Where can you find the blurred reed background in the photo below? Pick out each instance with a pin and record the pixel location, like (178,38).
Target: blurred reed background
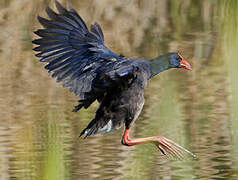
(197,109)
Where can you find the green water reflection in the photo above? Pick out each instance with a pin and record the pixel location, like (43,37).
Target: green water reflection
(197,109)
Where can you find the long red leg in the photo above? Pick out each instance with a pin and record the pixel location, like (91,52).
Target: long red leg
(166,146)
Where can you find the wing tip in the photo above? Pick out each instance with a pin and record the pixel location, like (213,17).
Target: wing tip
(61,9)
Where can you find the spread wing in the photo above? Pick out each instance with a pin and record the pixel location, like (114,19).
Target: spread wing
(78,57)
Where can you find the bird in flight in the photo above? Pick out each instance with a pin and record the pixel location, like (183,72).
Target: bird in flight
(77,56)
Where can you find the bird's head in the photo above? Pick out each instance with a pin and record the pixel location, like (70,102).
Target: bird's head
(167,61)
(177,61)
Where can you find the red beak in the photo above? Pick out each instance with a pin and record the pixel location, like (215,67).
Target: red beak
(184,64)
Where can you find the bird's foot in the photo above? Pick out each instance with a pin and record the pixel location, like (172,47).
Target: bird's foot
(171,149)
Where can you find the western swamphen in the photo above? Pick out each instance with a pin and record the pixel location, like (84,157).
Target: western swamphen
(78,57)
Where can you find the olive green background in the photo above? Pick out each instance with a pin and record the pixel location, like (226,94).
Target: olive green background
(197,109)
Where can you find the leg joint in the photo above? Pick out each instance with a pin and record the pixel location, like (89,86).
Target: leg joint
(124,142)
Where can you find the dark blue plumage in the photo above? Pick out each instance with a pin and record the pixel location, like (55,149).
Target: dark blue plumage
(78,57)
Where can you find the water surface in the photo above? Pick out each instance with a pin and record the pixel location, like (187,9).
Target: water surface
(197,109)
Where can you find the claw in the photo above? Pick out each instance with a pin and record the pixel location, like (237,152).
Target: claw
(170,148)
(173,149)
(161,149)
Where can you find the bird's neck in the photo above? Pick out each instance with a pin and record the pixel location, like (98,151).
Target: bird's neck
(159,64)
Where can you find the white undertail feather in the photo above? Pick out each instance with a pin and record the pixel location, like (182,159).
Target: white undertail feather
(107,128)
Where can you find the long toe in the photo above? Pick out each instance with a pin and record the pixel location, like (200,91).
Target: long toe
(172,149)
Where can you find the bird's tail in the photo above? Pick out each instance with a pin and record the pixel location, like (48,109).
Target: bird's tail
(97,126)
